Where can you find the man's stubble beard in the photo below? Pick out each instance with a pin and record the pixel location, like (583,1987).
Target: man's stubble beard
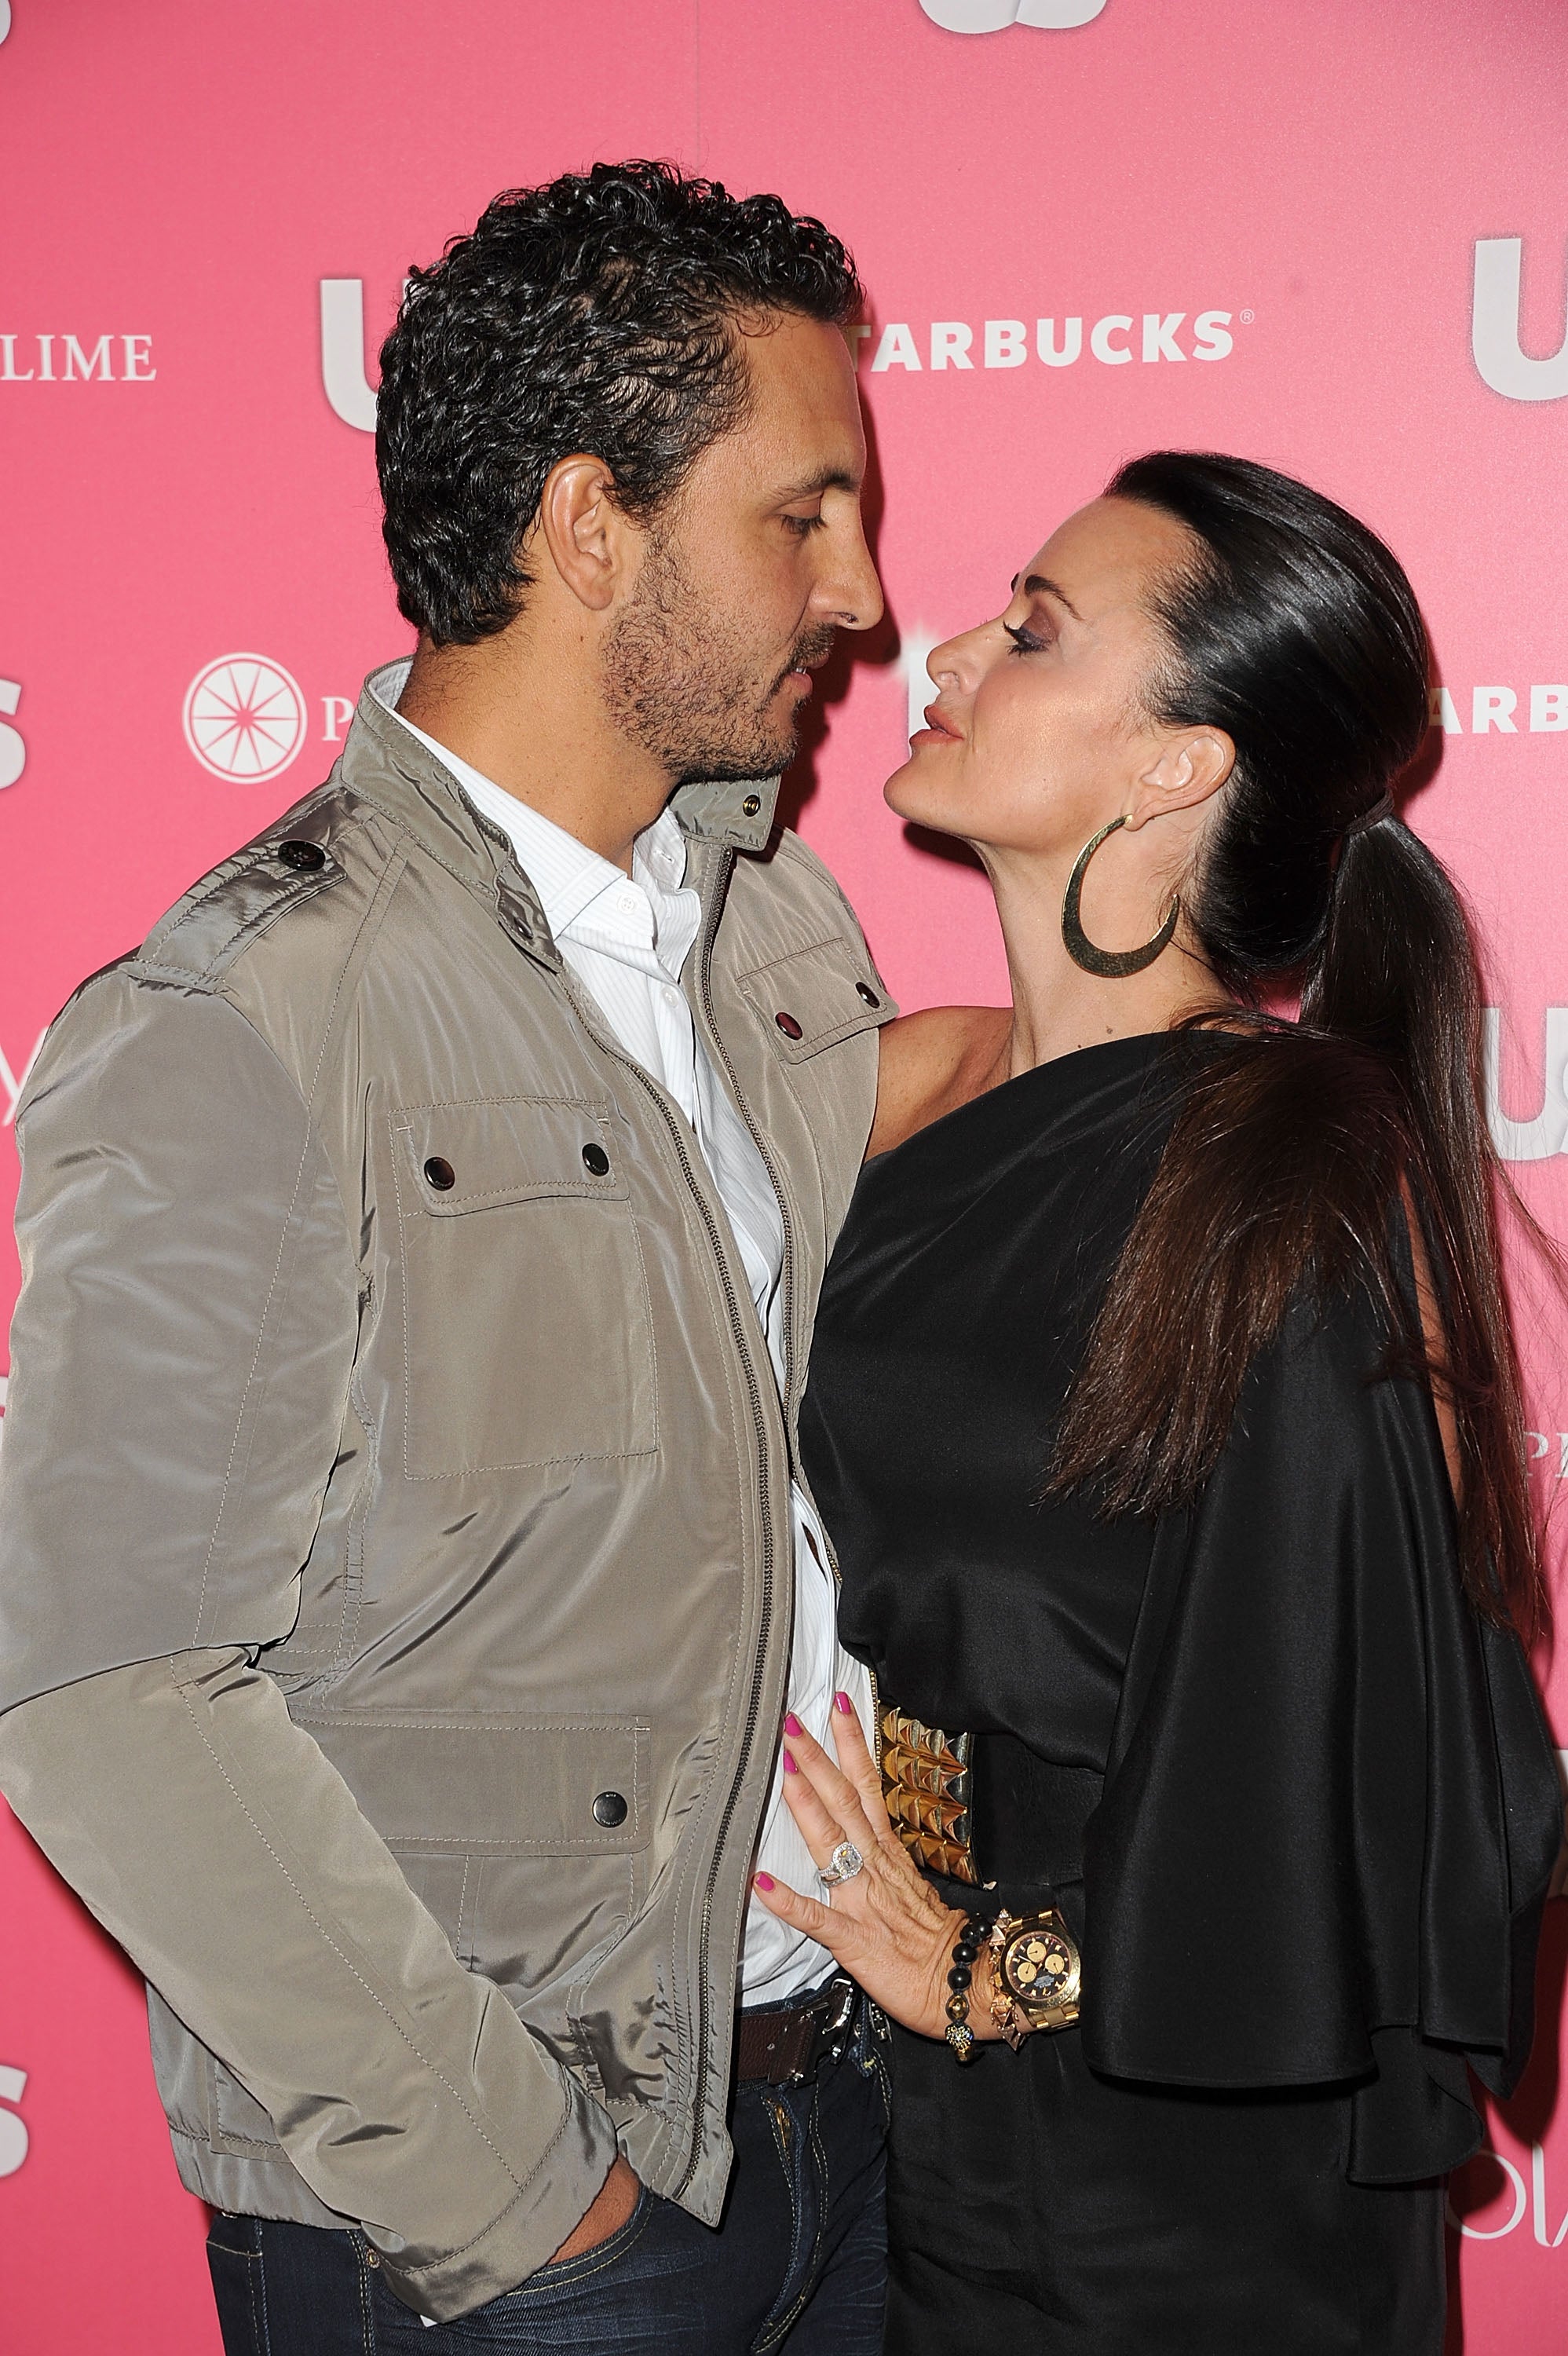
(679,684)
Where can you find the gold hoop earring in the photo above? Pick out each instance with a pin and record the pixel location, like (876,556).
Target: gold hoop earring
(1111,965)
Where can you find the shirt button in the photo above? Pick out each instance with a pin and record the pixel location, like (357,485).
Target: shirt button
(596,1162)
(610,1810)
(863,990)
(305,857)
(439,1173)
(789,1026)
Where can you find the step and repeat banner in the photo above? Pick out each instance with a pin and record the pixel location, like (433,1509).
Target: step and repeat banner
(1327,236)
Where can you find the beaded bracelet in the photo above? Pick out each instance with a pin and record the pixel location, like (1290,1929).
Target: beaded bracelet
(966,1952)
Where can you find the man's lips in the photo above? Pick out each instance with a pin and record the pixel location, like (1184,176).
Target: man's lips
(798,676)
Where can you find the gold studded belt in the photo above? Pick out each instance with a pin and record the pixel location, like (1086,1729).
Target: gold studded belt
(927,1784)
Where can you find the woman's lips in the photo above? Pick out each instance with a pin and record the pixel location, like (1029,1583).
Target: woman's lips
(937,730)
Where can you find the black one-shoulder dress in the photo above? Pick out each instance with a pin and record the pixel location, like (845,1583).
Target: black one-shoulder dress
(1296,1800)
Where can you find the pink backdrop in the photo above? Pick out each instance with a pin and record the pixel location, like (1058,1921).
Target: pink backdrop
(1283,230)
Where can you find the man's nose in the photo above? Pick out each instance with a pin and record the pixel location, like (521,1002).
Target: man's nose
(854,593)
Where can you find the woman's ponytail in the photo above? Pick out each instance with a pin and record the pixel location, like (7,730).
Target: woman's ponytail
(1294,630)
(1396,973)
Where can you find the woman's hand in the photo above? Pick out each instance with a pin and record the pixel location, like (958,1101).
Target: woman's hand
(886,1924)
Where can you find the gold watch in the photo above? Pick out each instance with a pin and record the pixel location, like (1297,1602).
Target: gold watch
(1036,1975)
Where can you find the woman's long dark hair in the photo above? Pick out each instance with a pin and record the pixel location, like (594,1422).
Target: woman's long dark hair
(1295,630)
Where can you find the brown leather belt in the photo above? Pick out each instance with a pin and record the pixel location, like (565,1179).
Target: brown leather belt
(786,2046)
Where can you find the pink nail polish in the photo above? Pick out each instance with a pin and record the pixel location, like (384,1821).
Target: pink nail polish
(842,1701)
(764,1881)
(793,1725)
(790,1767)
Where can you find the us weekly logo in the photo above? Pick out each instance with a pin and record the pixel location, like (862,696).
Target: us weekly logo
(998,15)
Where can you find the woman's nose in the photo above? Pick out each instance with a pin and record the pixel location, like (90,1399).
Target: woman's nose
(953,663)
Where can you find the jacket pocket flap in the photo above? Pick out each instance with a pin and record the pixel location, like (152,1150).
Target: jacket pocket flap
(504,1787)
(815,997)
(475,1153)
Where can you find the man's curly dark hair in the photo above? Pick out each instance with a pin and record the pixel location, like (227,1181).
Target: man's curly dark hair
(595,314)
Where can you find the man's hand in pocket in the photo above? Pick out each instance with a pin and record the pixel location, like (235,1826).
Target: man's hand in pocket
(613,2204)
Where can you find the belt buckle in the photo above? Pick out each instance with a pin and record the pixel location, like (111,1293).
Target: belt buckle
(833,2035)
(824,2021)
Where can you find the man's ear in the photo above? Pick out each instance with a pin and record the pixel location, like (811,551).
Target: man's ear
(1188,769)
(587,537)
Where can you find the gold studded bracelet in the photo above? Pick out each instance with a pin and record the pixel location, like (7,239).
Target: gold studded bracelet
(1005,2017)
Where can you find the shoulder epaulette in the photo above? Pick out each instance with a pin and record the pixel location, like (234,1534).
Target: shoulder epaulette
(217,919)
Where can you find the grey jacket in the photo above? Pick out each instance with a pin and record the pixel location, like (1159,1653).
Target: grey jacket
(395,1576)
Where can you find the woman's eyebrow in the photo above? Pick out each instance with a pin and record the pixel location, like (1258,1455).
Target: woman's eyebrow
(1039,582)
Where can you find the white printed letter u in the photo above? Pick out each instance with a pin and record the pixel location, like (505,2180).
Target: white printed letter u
(1494,328)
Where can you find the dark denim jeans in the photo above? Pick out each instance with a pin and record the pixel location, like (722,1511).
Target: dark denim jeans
(798,2261)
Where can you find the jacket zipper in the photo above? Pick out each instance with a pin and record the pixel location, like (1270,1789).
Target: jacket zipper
(710,932)
(753,1711)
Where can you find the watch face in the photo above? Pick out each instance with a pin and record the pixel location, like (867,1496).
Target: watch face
(1041,1967)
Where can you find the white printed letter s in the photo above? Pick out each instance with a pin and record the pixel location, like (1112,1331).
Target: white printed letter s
(12,746)
(13,2130)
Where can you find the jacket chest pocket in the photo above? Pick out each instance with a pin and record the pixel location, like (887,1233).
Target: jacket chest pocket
(814,998)
(527,1327)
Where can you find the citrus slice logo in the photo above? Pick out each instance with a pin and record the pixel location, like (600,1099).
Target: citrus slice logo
(244,718)
(995,15)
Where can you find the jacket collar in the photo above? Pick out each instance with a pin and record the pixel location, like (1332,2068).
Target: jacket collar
(385,764)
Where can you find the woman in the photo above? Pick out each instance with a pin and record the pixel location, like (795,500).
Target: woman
(1165,1415)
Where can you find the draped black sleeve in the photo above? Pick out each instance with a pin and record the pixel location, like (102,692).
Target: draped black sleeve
(1331,1805)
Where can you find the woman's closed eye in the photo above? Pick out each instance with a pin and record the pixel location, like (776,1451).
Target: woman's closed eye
(1025,640)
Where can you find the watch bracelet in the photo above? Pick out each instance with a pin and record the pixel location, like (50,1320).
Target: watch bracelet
(1013,2013)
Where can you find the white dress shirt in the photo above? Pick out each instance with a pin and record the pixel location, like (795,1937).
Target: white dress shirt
(626,939)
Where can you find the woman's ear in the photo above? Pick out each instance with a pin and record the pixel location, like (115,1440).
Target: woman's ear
(1187,770)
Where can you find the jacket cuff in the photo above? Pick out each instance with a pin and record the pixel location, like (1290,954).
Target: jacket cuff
(529,2232)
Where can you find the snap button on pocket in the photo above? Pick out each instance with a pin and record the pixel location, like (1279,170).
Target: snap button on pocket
(595,1160)
(609,1810)
(439,1173)
(789,1026)
(308,857)
(863,990)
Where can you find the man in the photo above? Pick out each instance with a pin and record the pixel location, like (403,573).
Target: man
(404,1572)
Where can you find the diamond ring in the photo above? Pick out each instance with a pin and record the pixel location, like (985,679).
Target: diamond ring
(843,1865)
